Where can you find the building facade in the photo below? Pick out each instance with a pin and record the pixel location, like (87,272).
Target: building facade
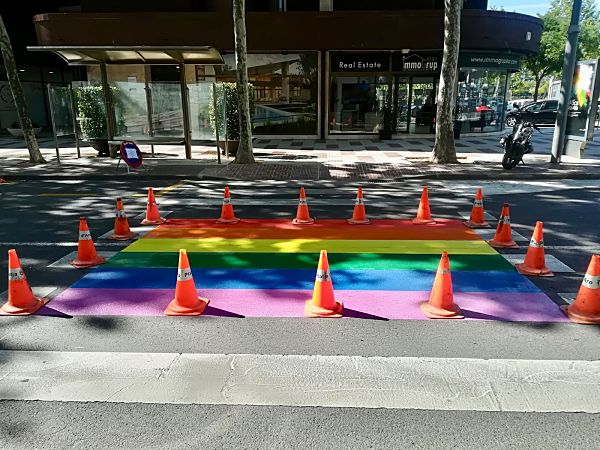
(320,68)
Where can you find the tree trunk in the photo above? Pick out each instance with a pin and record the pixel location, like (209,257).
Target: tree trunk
(244,153)
(536,88)
(35,156)
(444,151)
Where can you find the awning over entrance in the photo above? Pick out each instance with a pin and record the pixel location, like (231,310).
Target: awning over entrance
(87,55)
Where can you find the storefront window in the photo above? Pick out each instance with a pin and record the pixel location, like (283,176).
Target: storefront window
(481,99)
(357,103)
(286,88)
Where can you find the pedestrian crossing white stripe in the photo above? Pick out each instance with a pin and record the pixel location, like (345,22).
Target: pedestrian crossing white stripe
(302,380)
(64,262)
(552,262)
(140,231)
(488,233)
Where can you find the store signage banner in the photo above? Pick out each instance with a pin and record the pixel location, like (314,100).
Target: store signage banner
(417,62)
(360,62)
(583,104)
(490,60)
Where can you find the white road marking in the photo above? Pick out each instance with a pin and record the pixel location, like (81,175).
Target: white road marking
(38,291)
(141,216)
(302,380)
(64,262)
(141,231)
(553,263)
(59,244)
(488,233)
(568,297)
(490,218)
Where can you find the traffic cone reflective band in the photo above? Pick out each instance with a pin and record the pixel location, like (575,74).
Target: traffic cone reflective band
(86,251)
(424,213)
(535,260)
(122,231)
(477,219)
(441,300)
(227,214)
(586,308)
(152,214)
(323,303)
(503,237)
(359,216)
(21,301)
(302,215)
(186,301)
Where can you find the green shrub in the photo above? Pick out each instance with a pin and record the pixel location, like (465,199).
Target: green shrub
(92,114)
(227,92)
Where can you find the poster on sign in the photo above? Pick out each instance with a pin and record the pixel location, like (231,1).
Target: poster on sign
(131,154)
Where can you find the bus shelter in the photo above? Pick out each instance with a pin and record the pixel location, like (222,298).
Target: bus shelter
(134,106)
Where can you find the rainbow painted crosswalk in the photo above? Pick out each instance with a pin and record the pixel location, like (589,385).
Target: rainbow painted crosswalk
(266,268)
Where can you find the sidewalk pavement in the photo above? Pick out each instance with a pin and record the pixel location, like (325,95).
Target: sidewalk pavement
(368,160)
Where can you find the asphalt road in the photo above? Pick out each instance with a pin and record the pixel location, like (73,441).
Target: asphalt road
(147,426)
(43,218)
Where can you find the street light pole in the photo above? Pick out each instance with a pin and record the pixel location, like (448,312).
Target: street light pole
(564,98)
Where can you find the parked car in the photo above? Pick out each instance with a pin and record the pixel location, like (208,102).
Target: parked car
(519,102)
(539,113)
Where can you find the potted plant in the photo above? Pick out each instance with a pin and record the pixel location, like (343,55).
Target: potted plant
(15,129)
(227,113)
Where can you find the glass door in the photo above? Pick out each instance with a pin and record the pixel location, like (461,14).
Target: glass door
(422,105)
(401,99)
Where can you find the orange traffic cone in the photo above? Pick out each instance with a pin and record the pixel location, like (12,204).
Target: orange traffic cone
(477,219)
(323,303)
(21,301)
(535,260)
(186,301)
(359,216)
(122,231)
(152,214)
(302,215)
(424,213)
(441,300)
(503,237)
(227,214)
(586,308)
(86,251)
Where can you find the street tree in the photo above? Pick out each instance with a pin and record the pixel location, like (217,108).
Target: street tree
(548,60)
(244,153)
(35,156)
(444,151)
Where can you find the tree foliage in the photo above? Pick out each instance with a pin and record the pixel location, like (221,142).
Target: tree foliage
(552,46)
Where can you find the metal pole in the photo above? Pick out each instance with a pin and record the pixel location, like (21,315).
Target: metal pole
(149,105)
(53,122)
(110,118)
(225,121)
(564,98)
(186,113)
(214,90)
(74,107)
